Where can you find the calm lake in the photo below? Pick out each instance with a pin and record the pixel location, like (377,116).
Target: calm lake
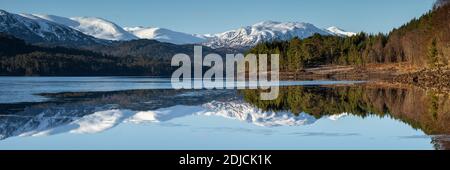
(146,113)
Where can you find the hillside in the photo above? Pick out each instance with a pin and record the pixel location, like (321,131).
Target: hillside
(147,49)
(423,43)
(18,59)
(33,29)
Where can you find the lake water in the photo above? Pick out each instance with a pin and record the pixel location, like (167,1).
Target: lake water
(145,113)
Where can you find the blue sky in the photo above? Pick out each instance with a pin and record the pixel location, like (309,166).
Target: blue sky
(213,16)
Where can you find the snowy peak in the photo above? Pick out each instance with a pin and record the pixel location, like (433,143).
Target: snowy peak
(60,20)
(34,29)
(102,28)
(280,26)
(263,31)
(61,29)
(165,35)
(340,32)
(133,29)
(93,26)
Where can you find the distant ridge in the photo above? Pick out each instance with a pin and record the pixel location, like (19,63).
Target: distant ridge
(90,30)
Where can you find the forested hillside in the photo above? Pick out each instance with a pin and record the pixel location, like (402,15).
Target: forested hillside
(147,49)
(423,42)
(19,58)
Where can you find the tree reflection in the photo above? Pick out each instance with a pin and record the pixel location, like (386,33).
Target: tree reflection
(427,110)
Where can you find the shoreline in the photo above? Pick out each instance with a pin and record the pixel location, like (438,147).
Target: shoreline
(436,79)
(401,73)
(341,72)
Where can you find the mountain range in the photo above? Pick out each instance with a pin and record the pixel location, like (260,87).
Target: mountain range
(36,28)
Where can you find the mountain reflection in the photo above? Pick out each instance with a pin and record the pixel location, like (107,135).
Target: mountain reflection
(64,108)
(93,112)
(427,110)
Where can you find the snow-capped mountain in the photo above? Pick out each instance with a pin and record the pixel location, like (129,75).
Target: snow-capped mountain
(96,27)
(56,29)
(263,31)
(340,32)
(38,30)
(165,35)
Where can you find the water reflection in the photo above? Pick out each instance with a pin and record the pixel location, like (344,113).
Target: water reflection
(76,109)
(94,112)
(426,110)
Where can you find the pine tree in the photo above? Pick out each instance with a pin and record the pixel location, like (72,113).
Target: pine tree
(433,60)
(294,55)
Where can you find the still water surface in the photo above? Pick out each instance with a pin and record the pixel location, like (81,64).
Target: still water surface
(145,113)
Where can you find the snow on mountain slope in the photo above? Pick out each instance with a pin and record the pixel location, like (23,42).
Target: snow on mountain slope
(102,28)
(52,28)
(34,29)
(339,32)
(57,19)
(96,27)
(263,31)
(165,35)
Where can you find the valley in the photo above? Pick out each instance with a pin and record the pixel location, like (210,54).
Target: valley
(48,45)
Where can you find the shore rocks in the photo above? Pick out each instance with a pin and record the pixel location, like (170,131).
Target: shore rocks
(437,78)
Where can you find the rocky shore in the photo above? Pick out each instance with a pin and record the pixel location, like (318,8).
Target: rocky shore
(436,79)
(336,72)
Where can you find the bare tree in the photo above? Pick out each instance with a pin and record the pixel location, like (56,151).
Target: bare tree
(440,3)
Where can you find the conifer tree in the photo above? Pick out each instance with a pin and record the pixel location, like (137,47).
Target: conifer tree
(433,60)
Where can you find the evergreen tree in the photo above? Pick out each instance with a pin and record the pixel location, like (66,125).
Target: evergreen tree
(433,60)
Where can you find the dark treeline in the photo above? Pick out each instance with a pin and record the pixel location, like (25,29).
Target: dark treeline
(122,58)
(148,49)
(297,54)
(421,42)
(18,58)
